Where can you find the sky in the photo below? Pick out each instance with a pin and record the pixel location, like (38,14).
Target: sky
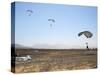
(33,28)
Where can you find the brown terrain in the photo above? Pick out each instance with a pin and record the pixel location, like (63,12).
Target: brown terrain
(56,60)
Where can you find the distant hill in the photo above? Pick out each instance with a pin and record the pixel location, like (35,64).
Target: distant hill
(49,46)
(18,46)
(44,46)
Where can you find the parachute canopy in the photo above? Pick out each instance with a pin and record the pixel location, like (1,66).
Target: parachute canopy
(51,20)
(29,12)
(87,34)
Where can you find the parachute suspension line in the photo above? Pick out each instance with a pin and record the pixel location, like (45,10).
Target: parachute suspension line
(87,46)
(86,43)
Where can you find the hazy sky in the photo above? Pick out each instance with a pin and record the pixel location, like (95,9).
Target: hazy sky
(35,30)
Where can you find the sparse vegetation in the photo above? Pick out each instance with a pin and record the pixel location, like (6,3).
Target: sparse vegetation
(56,60)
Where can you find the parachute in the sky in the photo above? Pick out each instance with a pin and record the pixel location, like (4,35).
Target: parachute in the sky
(87,34)
(51,21)
(29,12)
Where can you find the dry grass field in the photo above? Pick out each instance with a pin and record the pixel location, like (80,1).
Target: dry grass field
(56,60)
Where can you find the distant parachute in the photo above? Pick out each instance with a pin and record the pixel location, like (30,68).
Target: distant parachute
(51,21)
(29,12)
(87,34)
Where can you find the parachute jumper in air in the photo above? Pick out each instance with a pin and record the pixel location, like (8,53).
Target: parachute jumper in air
(87,34)
(51,21)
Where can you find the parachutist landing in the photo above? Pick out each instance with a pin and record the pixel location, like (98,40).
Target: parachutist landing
(87,46)
(87,34)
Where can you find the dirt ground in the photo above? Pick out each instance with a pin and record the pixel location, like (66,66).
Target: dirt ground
(44,60)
